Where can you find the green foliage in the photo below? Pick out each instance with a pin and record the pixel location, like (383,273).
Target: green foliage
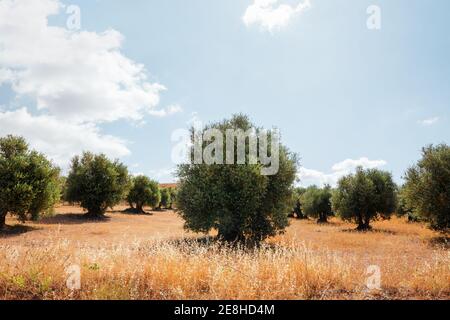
(144,192)
(427,188)
(173,197)
(47,186)
(296,204)
(236,200)
(96,183)
(63,188)
(316,203)
(365,196)
(29,183)
(165,198)
(403,209)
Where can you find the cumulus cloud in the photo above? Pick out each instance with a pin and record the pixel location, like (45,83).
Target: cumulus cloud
(429,122)
(271,16)
(76,79)
(78,76)
(310,177)
(57,139)
(170,110)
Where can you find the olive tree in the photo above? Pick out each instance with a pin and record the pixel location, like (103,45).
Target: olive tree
(364,196)
(427,188)
(237,200)
(403,209)
(47,187)
(96,183)
(165,198)
(317,203)
(29,183)
(143,192)
(173,197)
(296,204)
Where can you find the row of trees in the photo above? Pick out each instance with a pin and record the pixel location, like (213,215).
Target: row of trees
(30,185)
(361,198)
(369,195)
(312,202)
(97,183)
(146,192)
(245,206)
(236,200)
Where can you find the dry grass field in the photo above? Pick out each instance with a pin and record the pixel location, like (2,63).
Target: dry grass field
(152,257)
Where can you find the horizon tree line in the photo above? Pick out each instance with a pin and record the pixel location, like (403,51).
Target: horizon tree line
(236,200)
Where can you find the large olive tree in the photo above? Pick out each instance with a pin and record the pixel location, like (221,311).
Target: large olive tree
(364,196)
(96,183)
(427,189)
(237,200)
(29,183)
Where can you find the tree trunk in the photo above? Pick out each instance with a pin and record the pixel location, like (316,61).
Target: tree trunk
(364,224)
(140,208)
(95,213)
(231,237)
(322,218)
(367,224)
(360,223)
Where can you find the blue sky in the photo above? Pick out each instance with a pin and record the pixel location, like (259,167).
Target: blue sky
(341,94)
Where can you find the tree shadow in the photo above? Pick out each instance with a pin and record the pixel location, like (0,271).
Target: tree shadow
(442,242)
(204,241)
(329,223)
(134,212)
(373,231)
(189,245)
(71,219)
(16,230)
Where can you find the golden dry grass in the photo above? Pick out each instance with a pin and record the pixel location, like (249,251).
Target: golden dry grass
(152,257)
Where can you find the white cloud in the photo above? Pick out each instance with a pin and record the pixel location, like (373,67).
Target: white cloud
(57,139)
(5,76)
(76,76)
(164,175)
(350,164)
(310,177)
(429,122)
(271,17)
(78,79)
(170,110)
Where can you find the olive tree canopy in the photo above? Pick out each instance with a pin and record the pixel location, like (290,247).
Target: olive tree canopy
(364,196)
(427,189)
(236,199)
